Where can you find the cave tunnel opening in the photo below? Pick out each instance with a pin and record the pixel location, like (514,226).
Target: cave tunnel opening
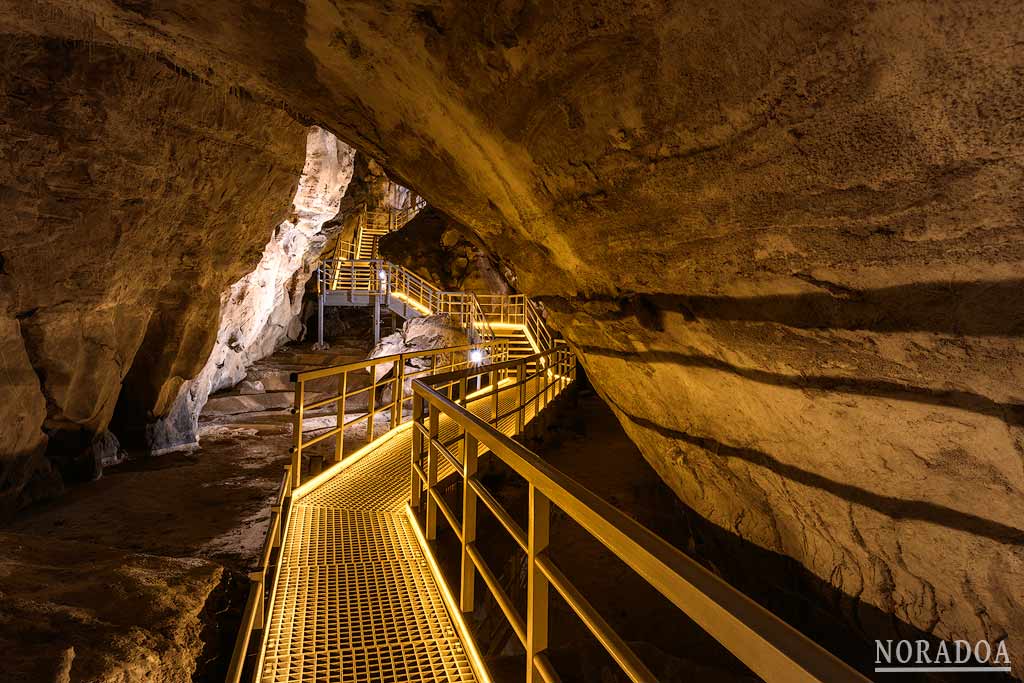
(578,342)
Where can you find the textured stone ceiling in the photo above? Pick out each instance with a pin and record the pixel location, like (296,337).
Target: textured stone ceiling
(785,236)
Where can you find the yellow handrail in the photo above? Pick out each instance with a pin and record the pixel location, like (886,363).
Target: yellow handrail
(768,646)
(254,617)
(257,608)
(386,372)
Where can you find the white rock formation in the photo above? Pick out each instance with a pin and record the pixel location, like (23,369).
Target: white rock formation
(260,312)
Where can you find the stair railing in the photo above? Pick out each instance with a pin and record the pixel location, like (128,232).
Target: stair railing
(478,313)
(480,321)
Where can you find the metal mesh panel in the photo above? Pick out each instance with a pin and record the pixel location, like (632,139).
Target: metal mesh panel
(355,599)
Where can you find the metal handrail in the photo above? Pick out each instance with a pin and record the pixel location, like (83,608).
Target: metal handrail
(257,608)
(768,646)
(385,372)
(364,275)
(478,311)
(484,310)
(256,612)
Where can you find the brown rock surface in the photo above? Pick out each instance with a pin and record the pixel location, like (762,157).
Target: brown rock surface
(445,253)
(260,312)
(133,196)
(786,238)
(25,473)
(80,612)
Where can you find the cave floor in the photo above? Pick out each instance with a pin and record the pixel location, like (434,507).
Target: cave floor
(211,502)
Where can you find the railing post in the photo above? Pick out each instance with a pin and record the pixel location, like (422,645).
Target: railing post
(494,404)
(339,445)
(300,399)
(464,402)
(398,395)
(536,583)
(469,467)
(432,456)
(321,296)
(417,450)
(521,413)
(371,404)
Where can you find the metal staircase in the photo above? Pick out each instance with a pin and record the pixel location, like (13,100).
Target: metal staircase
(357,276)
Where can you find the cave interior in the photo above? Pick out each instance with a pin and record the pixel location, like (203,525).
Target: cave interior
(584,341)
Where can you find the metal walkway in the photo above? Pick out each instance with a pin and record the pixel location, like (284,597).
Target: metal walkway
(355,599)
(348,589)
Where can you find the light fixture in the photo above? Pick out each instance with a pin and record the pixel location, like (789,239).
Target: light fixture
(476,356)
(382,274)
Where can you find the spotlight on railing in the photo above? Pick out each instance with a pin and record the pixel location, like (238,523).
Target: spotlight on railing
(476,356)
(382,274)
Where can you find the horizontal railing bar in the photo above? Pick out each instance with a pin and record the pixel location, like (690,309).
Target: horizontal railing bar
(321,403)
(308,375)
(268,543)
(767,645)
(449,456)
(448,513)
(500,596)
(286,480)
(547,671)
(605,634)
(499,511)
(326,435)
(459,374)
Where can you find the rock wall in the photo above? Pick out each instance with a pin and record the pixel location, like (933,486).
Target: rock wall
(133,195)
(369,188)
(446,253)
(261,311)
(786,238)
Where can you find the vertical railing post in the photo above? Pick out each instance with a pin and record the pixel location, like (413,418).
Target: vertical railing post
(494,403)
(432,456)
(371,404)
(536,583)
(300,399)
(339,445)
(417,450)
(469,467)
(521,413)
(398,395)
(259,608)
(464,402)
(320,300)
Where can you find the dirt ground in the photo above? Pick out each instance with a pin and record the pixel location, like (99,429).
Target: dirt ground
(211,502)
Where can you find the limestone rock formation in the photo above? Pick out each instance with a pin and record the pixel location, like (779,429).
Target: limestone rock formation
(25,473)
(260,312)
(785,238)
(370,189)
(80,612)
(133,196)
(417,334)
(445,253)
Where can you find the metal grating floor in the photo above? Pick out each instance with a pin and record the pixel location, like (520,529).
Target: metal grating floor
(355,598)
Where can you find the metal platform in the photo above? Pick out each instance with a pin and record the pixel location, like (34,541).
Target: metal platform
(355,599)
